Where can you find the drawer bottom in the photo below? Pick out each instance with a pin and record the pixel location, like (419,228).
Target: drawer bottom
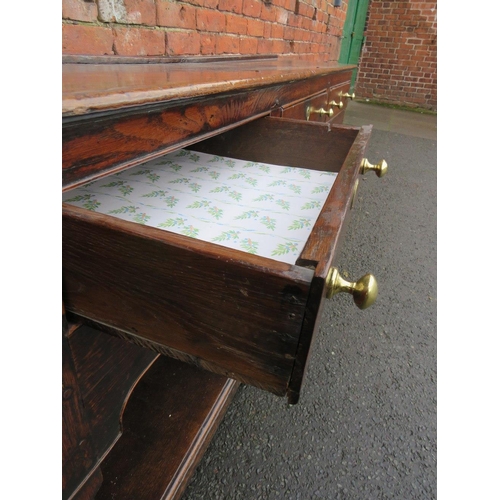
(260,208)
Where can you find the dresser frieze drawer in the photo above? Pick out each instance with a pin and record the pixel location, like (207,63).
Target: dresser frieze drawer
(338,98)
(228,310)
(311,109)
(341,92)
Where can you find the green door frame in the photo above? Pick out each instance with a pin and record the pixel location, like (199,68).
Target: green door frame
(352,37)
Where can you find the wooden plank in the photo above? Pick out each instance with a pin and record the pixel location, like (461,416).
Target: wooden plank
(345,48)
(78,453)
(321,251)
(167,425)
(114,59)
(314,310)
(228,311)
(283,141)
(358,31)
(89,88)
(108,368)
(325,236)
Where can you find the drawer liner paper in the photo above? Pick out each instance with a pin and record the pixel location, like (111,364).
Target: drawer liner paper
(263,209)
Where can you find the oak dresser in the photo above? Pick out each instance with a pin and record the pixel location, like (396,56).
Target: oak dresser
(205,201)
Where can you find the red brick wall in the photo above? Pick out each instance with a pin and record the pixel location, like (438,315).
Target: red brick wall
(398,61)
(309,29)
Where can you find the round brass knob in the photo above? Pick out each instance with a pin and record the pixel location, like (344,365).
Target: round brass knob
(349,96)
(320,111)
(380,168)
(364,291)
(339,104)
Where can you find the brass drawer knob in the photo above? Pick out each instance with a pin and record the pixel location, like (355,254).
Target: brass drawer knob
(346,94)
(340,104)
(364,291)
(380,168)
(320,111)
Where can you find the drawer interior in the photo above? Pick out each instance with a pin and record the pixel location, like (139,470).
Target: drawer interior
(326,147)
(240,201)
(267,210)
(283,141)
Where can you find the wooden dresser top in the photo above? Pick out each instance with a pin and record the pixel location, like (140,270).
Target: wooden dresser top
(95,85)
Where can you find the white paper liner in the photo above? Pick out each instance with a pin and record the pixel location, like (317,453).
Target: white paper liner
(263,209)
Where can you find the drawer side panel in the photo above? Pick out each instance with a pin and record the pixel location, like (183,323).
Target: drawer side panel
(327,233)
(322,250)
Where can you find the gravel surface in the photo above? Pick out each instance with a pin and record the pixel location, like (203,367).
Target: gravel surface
(365,426)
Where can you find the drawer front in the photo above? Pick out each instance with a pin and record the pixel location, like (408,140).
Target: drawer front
(184,298)
(337,93)
(329,106)
(248,317)
(310,109)
(338,102)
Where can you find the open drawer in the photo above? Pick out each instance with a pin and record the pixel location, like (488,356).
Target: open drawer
(247,316)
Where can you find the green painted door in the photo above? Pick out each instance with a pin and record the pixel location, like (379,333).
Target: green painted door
(352,39)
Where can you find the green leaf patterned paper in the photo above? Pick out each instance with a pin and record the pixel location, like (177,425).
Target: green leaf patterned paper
(227,235)
(267,210)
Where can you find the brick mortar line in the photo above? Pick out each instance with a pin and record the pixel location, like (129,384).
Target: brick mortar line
(166,29)
(106,24)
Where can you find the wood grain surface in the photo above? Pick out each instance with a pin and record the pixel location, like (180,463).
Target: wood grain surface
(322,249)
(239,316)
(89,88)
(325,237)
(167,424)
(281,141)
(108,368)
(78,453)
(230,311)
(116,116)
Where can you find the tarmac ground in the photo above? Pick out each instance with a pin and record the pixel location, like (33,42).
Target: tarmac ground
(365,426)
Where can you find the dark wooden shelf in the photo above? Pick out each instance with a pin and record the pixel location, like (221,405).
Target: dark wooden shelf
(167,425)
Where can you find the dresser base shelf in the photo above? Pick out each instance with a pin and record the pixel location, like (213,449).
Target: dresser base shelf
(168,423)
